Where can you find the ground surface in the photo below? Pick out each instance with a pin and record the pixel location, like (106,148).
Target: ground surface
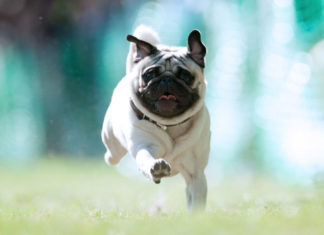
(87,197)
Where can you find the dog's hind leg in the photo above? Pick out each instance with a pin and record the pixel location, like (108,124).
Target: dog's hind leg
(111,159)
(196,191)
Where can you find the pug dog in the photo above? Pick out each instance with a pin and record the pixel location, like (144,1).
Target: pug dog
(157,112)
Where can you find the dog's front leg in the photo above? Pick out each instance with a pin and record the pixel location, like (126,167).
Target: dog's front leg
(196,191)
(152,168)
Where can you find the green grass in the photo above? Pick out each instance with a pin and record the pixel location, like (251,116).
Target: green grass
(87,197)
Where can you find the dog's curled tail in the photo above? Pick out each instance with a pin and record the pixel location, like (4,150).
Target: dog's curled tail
(143,33)
(147,34)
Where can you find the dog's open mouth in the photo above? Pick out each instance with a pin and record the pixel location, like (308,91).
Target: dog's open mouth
(167,96)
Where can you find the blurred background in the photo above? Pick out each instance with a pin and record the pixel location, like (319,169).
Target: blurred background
(60,61)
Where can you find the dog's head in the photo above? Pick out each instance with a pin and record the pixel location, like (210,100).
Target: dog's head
(168,81)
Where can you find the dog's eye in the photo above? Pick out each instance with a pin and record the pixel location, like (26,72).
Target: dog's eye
(150,74)
(186,76)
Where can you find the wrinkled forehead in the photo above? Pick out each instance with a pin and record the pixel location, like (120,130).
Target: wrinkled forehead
(169,59)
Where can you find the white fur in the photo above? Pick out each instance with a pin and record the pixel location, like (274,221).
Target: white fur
(185,147)
(147,34)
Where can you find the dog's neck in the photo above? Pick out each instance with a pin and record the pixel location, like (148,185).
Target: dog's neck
(141,116)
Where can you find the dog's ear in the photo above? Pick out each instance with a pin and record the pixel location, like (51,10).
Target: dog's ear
(196,49)
(143,48)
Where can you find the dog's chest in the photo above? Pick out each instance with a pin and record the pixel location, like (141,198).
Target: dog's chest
(179,130)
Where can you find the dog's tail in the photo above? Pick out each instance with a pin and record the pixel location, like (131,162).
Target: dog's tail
(146,34)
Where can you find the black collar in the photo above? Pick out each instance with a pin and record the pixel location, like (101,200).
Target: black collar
(142,116)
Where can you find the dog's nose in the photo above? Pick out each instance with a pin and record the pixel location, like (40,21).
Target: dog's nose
(166,82)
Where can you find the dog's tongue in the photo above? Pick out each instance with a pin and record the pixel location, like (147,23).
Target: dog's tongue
(167,97)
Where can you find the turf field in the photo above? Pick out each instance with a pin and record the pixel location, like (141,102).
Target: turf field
(59,196)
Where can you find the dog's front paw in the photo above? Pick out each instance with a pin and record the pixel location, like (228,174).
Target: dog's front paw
(160,169)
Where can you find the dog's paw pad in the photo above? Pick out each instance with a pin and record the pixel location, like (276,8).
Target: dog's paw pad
(160,169)
(157,181)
